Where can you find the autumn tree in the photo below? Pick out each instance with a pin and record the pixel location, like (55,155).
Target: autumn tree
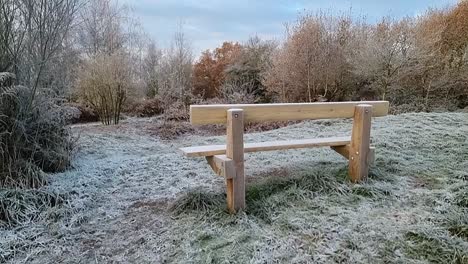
(454,49)
(205,82)
(454,37)
(209,71)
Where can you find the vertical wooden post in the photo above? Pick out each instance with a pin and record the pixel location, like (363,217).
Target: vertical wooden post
(360,143)
(235,150)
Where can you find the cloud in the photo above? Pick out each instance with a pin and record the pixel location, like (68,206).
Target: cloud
(208,23)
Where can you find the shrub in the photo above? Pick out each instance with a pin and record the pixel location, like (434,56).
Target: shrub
(148,107)
(104,83)
(238,93)
(173,129)
(407,108)
(84,114)
(33,137)
(176,112)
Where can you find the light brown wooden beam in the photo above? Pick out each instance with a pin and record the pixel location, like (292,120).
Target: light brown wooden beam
(216,114)
(360,143)
(222,166)
(235,187)
(344,151)
(211,150)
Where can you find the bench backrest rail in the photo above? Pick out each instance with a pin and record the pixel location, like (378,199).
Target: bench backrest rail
(217,114)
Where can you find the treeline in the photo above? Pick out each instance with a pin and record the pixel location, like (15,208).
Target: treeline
(418,64)
(96,54)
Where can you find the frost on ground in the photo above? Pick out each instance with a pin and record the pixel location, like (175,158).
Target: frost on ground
(135,198)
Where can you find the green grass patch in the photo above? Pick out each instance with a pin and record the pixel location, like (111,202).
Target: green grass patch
(461,196)
(198,201)
(370,191)
(266,197)
(459,230)
(456,222)
(434,249)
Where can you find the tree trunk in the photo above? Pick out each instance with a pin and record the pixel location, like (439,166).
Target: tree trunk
(308,83)
(426,100)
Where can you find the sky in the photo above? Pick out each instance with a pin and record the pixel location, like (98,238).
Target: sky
(208,23)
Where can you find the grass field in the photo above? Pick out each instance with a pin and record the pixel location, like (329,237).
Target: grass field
(132,197)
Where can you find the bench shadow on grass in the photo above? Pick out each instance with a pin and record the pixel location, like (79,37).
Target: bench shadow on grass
(270,191)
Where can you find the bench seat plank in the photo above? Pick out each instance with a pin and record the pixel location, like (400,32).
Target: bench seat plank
(211,150)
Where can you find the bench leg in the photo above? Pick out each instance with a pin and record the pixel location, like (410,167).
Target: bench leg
(359,148)
(235,150)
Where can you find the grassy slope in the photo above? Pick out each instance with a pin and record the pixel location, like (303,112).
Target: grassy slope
(301,208)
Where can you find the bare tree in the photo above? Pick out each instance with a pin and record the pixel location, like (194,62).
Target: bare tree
(32,36)
(101,27)
(48,26)
(306,42)
(313,64)
(152,69)
(384,53)
(12,32)
(276,78)
(176,71)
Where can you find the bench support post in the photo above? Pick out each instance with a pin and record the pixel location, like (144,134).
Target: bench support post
(359,148)
(235,186)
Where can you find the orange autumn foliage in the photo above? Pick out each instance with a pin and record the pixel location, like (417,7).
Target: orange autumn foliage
(209,71)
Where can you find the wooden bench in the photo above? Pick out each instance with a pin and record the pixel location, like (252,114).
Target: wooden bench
(228,160)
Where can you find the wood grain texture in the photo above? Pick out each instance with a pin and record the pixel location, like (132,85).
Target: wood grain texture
(216,114)
(342,150)
(211,150)
(360,143)
(235,187)
(222,166)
